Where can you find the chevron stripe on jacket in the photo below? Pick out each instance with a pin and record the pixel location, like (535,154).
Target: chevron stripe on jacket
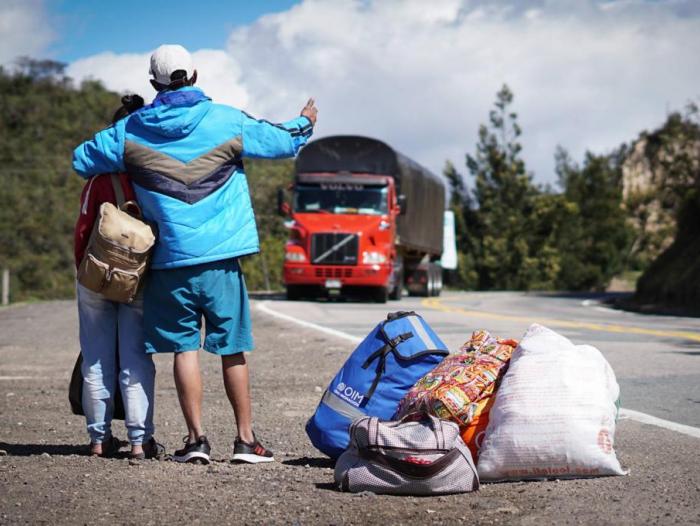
(184,154)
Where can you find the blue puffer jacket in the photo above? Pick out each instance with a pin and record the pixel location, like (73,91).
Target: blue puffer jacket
(183,154)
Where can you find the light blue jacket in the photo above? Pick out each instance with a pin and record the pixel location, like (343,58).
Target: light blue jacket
(184,154)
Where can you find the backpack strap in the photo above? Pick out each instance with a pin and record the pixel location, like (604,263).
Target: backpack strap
(392,343)
(118,190)
(381,354)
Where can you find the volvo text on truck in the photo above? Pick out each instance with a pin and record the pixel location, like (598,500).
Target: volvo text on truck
(363,217)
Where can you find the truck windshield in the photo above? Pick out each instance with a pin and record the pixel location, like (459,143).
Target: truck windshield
(341,198)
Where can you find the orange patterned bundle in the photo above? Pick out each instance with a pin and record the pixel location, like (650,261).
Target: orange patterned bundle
(461,387)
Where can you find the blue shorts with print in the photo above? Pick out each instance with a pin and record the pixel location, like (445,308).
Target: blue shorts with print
(176,300)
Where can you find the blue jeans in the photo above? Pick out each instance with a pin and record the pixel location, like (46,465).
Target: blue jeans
(104,326)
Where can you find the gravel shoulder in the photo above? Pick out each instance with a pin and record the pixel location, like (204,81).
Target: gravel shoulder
(46,478)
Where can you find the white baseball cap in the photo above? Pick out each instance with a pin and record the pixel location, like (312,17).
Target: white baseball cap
(168,59)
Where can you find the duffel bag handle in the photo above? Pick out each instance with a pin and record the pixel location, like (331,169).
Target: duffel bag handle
(410,469)
(434,422)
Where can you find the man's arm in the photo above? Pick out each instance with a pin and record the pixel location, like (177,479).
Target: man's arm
(104,153)
(263,139)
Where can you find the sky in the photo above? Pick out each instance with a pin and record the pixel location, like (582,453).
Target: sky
(422,76)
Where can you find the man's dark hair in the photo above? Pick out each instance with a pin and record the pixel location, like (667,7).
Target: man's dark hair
(130,103)
(178,79)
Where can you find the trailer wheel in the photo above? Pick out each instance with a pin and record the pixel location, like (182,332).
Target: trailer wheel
(437,277)
(438,288)
(434,280)
(429,281)
(380,294)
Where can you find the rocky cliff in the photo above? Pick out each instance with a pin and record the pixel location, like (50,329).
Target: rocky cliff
(661,192)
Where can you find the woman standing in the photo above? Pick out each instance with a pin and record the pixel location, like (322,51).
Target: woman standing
(108,328)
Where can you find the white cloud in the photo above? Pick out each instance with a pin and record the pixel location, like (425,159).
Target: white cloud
(218,73)
(585,74)
(125,73)
(24,29)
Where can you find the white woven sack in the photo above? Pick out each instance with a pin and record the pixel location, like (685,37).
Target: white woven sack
(554,413)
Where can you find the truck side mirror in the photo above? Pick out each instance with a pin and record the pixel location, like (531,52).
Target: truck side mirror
(283,208)
(403,204)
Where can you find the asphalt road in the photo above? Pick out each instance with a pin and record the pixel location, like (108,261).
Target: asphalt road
(656,358)
(46,478)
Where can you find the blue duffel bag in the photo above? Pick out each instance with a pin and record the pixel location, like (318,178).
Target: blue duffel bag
(393,357)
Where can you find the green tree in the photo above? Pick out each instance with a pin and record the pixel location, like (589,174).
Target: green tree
(42,118)
(597,236)
(41,69)
(465,277)
(505,199)
(264,270)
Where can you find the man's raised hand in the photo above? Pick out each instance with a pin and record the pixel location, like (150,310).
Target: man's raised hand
(310,111)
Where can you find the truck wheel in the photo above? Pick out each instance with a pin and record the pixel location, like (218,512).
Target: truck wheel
(380,295)
(293,292)
(397,291)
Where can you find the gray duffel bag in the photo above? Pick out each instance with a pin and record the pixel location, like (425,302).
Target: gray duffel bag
(418,455)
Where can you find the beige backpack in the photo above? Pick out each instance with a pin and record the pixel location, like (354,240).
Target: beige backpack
(118,251)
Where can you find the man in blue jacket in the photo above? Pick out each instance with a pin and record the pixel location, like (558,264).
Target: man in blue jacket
(184,154)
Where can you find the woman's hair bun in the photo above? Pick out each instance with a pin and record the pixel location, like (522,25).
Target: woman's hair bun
(132,102)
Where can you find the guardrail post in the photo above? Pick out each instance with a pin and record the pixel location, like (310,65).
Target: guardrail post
(5,286)
(266,275)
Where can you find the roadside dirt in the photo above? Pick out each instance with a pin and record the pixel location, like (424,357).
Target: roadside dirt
(46,478)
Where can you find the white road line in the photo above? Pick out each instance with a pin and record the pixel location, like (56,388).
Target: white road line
(624,413)
(262,306)
(591,304)
(659,422)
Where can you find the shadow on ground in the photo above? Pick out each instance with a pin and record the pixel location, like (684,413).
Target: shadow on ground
(29,450)
(312,462)
(329,486)
(623,301)
(320,297)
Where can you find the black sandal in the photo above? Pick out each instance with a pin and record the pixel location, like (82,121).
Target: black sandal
(110,448)
(151,449)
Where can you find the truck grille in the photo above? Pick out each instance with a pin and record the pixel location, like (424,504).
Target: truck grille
(334,249)
(333,272)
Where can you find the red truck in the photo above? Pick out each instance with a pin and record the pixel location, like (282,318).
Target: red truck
(363,218)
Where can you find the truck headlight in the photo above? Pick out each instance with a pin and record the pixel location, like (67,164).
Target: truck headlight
(369,258)
(296,257)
